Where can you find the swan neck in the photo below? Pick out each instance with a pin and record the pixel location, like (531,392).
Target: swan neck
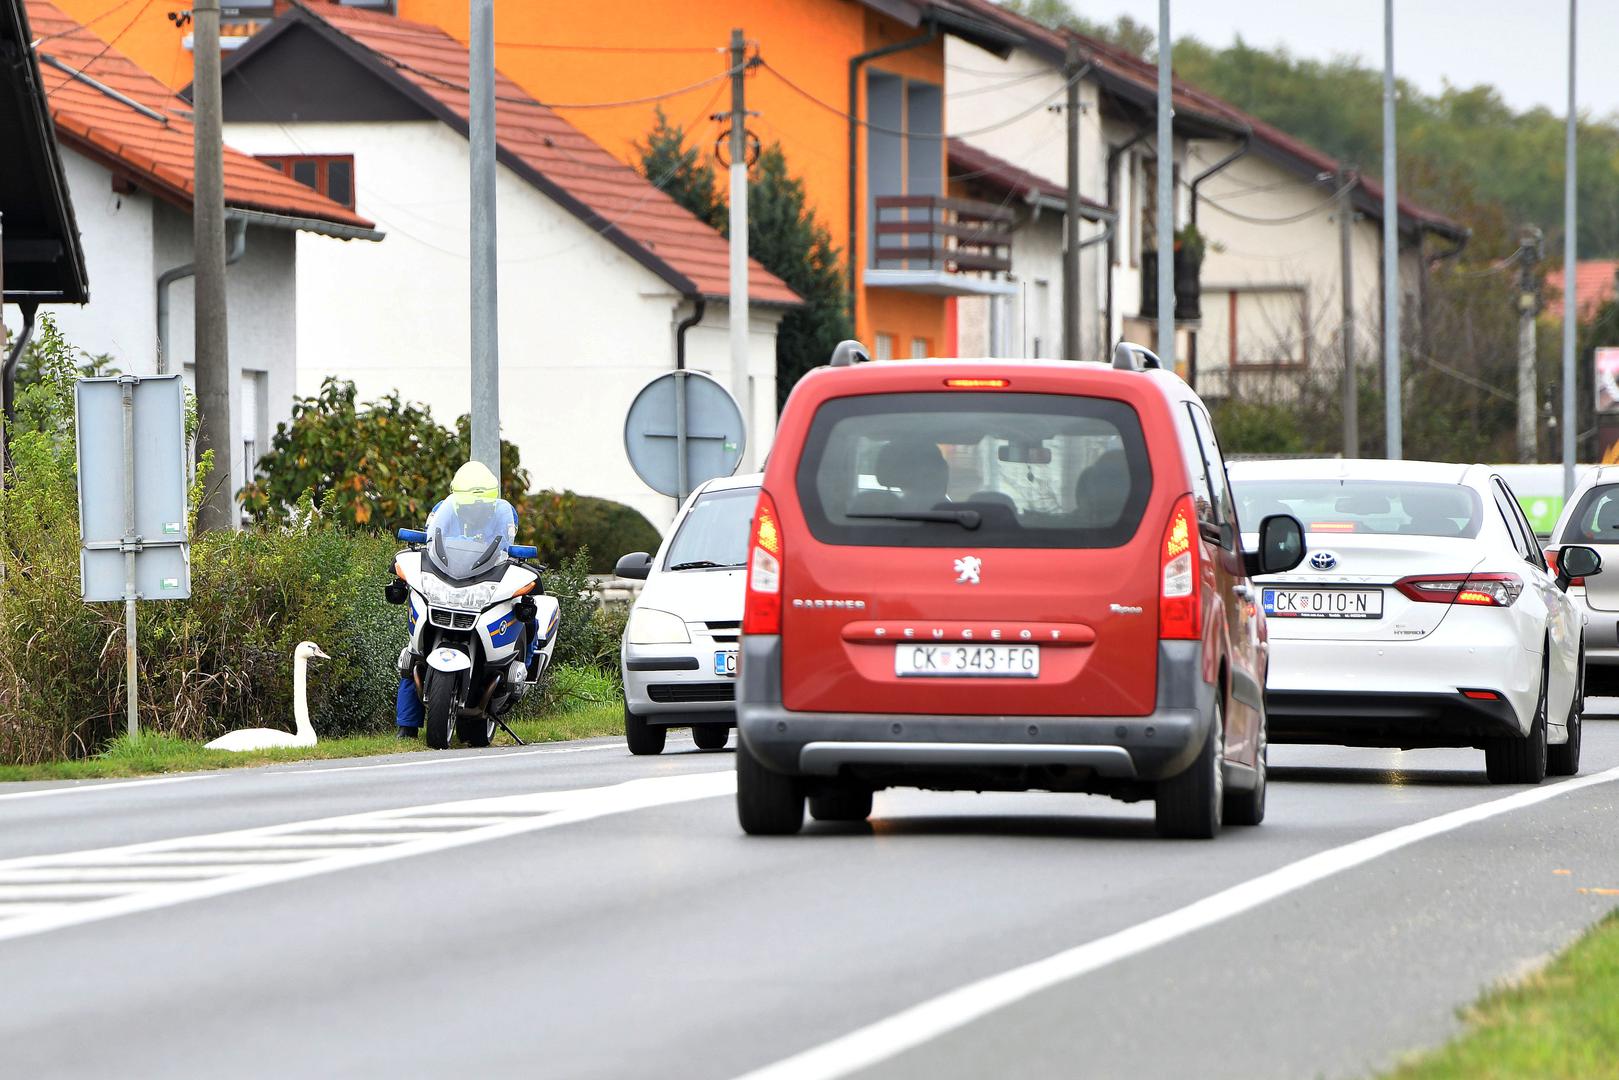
(300,696)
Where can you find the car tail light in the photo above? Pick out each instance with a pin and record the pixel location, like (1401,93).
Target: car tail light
(977,384)
(1482,695)
(1551,564)
(1180,607)
(1470,590)
(761,611)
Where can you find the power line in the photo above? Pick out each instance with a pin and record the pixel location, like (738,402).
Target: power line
(1036,107)
(1292,219)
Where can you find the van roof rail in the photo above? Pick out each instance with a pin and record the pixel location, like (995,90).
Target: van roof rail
(1128,356)
(850,352)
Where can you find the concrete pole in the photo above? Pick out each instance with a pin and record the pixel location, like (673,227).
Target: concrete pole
(485,291)
(1571,314)
(1166,193)
(211,339)
(1392,411)
(739,245)
(1346,281)
(1528,433)
(1070,251)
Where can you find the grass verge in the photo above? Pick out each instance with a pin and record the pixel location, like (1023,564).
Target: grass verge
(571,711)
(1562,1022)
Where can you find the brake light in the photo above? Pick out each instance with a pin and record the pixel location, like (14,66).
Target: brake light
(1551,564)
(1470,590)
(1332,526)
(1180,607)
(1482,695)
(978,384)
(761,610)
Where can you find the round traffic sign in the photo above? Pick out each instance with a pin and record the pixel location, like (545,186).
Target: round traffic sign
(682,429)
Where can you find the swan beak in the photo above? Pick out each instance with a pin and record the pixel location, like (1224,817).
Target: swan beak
(318,655)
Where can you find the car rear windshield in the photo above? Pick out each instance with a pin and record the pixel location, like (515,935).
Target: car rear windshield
(982,469)
(1596,518)
(714,533)
(1363,506)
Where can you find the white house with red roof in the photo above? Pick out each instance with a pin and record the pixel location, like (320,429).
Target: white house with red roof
(601,273)
(126,148)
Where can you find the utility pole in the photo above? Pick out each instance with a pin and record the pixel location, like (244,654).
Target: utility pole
(485,271)
(1571,314)
(1166,193)
(739,244)
(1346,256)
(1528,259)
(1392,411)
(1070,251)
(211,345)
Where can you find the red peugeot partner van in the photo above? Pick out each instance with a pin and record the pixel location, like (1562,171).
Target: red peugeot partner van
(1002,575)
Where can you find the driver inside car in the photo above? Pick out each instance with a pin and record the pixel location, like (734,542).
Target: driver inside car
(473,516)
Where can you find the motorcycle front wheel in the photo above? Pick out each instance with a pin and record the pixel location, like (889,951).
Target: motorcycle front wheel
(440,710)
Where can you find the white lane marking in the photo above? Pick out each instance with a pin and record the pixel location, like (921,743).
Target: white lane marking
(504,815)
(97,785)
(88,874)
(930,1019)
(454,759)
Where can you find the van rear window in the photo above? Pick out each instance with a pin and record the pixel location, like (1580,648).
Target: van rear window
(992,469)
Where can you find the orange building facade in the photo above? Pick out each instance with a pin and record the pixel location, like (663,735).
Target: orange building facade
(636,52)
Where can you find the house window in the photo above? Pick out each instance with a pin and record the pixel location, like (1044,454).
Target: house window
(885,347)
(330,174)
(1265,327)
(904,156)
(919,348)
(255,420)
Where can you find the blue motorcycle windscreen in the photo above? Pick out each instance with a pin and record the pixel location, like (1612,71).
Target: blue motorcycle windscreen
(468,538)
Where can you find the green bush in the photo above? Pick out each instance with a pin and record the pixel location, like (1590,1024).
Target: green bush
(605,528)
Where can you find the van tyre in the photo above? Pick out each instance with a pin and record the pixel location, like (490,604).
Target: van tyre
(1564,760)
(710,736)
(1248,807)
(644,739)
(846,802)
(1190,803)
(767,803)
(440,710)
(1520,760)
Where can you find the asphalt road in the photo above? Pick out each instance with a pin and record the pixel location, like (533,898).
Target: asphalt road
(530,913)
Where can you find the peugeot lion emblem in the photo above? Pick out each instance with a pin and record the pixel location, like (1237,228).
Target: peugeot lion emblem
(967,569)
(1323,560)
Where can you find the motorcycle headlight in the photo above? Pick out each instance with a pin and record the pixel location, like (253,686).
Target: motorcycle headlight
(649,626)
(465,598)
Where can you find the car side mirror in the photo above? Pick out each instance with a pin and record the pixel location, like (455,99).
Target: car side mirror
(1577,561)
(637,565)
(1281,546)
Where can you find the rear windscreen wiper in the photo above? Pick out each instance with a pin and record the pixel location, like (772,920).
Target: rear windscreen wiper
(704,564)
(967,519)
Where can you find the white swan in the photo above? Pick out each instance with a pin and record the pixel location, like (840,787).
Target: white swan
(264,738)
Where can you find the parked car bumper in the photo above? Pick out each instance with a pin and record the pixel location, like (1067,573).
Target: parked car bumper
(1003,752)
(672,684)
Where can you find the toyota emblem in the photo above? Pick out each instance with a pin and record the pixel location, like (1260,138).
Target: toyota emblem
(1323,560)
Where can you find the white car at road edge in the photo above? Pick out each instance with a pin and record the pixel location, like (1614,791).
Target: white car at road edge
(1425,614)
(679,651)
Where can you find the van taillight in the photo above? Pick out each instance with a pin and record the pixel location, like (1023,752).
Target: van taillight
(1180,608)
(761,611)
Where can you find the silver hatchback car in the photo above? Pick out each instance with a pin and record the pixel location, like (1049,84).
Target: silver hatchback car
(1591,517)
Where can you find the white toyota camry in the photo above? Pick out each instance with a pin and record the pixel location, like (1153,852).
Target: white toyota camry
(1424,615)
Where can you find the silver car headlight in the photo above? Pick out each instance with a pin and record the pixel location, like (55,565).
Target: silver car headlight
(649,626)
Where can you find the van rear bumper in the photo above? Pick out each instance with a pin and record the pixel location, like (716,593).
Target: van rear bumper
(1040,749)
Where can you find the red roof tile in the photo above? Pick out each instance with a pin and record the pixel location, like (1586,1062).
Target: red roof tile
(550,152)
(979,166)
(1594,285)
(155,154)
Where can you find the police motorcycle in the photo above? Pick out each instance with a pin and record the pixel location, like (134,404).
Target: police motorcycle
(482,631)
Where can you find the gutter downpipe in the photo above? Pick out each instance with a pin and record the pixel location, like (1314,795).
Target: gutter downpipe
(856,62)
(1242,148)
(9,376)
(237,238)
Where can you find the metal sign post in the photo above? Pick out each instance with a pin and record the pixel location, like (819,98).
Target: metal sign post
(683,429)
(132,499)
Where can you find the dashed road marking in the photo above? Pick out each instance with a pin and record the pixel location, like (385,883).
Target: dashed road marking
(39,893)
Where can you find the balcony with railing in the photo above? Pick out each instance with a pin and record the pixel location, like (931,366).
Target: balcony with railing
(935,244)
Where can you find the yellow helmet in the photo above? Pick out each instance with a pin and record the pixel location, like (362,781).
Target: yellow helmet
(474,481)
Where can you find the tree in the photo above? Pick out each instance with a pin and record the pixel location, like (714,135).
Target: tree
(1124,31)
(383,466)
(783,234)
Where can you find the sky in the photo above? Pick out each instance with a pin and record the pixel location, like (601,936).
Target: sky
(1519,46)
